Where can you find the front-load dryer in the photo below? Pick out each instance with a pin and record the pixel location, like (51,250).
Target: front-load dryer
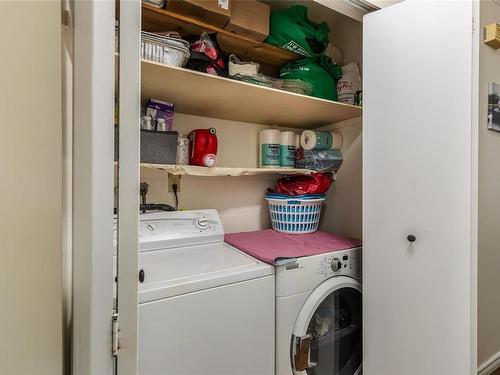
(318,315)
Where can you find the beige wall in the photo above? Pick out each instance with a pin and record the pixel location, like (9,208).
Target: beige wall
(30,188)
(343,208)
(489,204)
(239,200)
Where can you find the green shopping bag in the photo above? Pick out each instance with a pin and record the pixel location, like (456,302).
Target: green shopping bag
(319,71)
(291,29)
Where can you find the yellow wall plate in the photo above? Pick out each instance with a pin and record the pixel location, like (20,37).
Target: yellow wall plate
(492,35)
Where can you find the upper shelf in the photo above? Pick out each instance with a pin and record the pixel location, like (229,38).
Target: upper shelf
(205,95)
(155,19)
(193,170)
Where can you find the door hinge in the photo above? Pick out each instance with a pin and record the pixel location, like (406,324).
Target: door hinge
(114,335)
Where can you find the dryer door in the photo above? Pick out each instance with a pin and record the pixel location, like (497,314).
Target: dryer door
(327,337)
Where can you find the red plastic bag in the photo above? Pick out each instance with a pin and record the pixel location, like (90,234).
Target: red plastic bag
(315,183)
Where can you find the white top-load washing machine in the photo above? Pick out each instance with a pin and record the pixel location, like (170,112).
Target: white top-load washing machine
(204,306)
(318,315)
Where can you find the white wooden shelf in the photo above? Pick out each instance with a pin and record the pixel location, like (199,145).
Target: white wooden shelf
(205,95)
(192,170)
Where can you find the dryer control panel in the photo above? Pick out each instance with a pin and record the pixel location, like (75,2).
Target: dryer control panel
(340,263)
(306,273)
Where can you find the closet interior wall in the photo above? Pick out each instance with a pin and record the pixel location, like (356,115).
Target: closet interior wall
(240,200)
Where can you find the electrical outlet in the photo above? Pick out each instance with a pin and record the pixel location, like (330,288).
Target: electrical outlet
(174,180)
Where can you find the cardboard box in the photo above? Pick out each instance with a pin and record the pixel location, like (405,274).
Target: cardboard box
(249,18)
(213,12)
(492,35)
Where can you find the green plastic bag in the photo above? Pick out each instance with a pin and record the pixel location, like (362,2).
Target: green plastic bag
(319,71)
(291,29)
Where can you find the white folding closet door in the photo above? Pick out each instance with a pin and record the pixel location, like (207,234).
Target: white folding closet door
(417,148)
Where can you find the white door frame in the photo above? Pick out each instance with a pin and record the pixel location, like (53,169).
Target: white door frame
(93,169)
(128,184)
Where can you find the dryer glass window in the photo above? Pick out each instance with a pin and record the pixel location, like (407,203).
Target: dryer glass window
(335,331)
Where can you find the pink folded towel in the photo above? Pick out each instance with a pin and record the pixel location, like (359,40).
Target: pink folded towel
(271,246)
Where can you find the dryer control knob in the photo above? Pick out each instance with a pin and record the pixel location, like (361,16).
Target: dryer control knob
(336,264)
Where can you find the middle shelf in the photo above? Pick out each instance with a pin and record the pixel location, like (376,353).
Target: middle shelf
(193,170)
(201,94)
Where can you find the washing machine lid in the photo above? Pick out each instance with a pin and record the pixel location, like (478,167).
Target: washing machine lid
(176,271)
(327,337)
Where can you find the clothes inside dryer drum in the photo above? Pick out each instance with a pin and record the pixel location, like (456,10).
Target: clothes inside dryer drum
(336,334)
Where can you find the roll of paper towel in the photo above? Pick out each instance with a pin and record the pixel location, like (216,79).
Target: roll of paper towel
(287,149)
(321,140)
(269,141)
(182,150)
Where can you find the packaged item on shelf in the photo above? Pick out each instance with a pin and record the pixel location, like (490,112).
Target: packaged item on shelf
(146,123)
(321,140)
(297,86)
(206,56)
(358,98)
(259,79)
(249,18)
(117,36)
(334,53)
(170,34)
(349,84)
(318,160)
(116,114)
(161,125)
(156,147)
(159,109)
(155,3)
(314,183)
(269,141)
(236,66)
(203,147)
(291,29)
(319,71)
(213,12)
(182,151)
(164,49)
(287,149)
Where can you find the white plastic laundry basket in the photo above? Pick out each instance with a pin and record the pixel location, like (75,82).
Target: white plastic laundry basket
(295,215)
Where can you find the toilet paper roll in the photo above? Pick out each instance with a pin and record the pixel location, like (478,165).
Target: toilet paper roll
(287,149)
(338,141)
(269,141)
(297,141)
(321,140)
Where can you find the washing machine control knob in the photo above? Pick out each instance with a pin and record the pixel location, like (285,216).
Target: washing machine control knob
(336,264)
(202,222)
